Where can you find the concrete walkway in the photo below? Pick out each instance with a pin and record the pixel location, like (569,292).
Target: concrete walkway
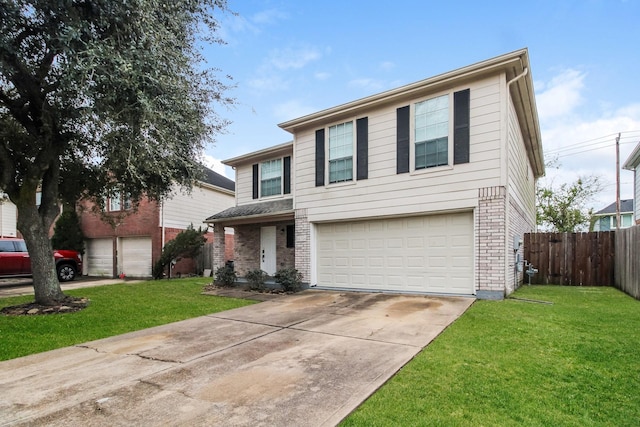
(307,359)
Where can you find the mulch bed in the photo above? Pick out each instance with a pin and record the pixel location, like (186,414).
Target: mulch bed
(69,305)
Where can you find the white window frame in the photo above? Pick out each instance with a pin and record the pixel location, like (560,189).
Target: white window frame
(123,204)
(281,192)
(327,154)
(412,135)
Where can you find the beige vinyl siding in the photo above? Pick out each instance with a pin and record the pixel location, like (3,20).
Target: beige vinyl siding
(388,193)
(244,184)
(183,209)
(521,181)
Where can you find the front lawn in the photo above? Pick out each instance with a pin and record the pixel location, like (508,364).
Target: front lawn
(113,310)
(573,363)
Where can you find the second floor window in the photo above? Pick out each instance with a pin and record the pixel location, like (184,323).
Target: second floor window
(341,152)
(118,203)
(432,132)
(271,178)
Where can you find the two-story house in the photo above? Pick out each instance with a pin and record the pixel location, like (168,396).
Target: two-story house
(121,240)
(633,164)
(426,188)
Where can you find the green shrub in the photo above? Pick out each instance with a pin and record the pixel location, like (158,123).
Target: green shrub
(256,279)
(225,276)
(187,244)
(67,233)
(289,278)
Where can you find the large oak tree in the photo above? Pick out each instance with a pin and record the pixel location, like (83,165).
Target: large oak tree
(99,97)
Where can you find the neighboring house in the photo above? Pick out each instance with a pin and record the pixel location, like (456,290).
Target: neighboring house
(426,188)
(121,241)
(8,217)
(633,164)
(606,219)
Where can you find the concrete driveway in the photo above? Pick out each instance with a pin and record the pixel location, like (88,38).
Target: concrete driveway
(307,359)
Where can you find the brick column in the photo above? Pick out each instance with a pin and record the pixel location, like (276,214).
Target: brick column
(303,245)
(491,230)
(218,246)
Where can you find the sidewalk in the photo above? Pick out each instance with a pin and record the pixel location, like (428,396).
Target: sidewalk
(17,287)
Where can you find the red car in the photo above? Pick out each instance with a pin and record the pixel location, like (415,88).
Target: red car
(15,261)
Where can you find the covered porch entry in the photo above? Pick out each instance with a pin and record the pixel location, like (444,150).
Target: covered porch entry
(264,236)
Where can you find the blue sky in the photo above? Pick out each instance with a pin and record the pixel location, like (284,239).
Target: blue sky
(289,58)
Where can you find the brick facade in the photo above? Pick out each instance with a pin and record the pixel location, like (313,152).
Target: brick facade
(303,245)
(491,237)
(247,247)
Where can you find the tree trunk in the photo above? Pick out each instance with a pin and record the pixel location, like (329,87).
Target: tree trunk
(35,230)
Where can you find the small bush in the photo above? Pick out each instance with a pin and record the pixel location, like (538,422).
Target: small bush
(289,278)
(225,276)
(256,279)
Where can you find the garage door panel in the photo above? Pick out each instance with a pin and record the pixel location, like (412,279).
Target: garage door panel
(424,254)
(136,256)
(99,257)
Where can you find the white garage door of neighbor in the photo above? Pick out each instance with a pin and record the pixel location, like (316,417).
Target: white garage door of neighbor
(135,256)
(417,254)
(99,257)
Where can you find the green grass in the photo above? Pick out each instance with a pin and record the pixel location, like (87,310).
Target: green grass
(114,309)
(512,363)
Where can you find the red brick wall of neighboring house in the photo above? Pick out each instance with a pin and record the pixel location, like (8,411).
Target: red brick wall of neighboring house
(228,247)
(184,266)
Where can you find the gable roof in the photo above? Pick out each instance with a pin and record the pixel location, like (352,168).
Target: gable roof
(263,154)
(516,67)
(626,206)
(214,178)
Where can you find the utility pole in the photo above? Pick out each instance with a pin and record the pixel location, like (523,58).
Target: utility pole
(618,182)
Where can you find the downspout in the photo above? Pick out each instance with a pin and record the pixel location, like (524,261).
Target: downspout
(515,254)
(162,224)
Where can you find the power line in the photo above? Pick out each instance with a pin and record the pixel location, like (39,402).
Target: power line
(628,137)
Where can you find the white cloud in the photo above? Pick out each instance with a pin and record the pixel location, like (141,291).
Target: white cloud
(270,16)
(322,75)
(268,83)
(387,65)
(561,95)
(293,58)
(217,166)
(291,109)
(584,140)
(368,84)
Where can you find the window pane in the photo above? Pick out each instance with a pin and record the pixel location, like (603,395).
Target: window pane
(626,220)
(341,152)
(340,170)
(431,153)
(114,202)
(270,177)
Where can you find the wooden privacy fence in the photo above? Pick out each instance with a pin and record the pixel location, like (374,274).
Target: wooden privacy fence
(579,259)
(627,261)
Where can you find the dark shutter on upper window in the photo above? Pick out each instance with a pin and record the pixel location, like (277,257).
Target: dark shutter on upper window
(362,148)
(461,126)
(402,139)
(255,181)
(287,175)
(319,157)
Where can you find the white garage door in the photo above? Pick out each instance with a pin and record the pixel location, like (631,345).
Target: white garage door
(417,254)
(135,256)
(99,257)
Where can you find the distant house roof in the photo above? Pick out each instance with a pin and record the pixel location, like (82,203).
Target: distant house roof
(214,178)
(262,209)
(626,206)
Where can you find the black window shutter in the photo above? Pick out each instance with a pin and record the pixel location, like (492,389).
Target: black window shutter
(362,147)
(287,175)
(461,127)
(319,157)
(255,181)
(402,139)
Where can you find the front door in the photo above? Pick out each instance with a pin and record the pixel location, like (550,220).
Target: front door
(268,250)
